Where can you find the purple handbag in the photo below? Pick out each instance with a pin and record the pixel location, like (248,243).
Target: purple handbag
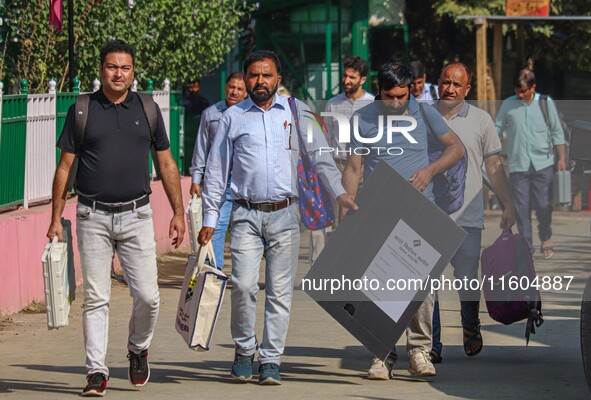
(510,282)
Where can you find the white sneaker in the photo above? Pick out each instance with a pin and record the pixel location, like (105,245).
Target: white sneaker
(420,363)
(379,370)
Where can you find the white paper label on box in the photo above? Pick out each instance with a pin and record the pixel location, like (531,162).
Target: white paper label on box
(405,257)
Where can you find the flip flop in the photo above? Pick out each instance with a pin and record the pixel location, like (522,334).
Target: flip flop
(471,338)
(547,251)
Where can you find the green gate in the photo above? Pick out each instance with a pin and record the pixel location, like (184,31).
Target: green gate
(177,128)
(63,103)
(13,140)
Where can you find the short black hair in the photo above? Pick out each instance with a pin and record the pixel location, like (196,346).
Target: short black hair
(261,55)
(117,46)
(525,76)
(394,74)
(235,75)
(417,68)
(458,64)
(358,64)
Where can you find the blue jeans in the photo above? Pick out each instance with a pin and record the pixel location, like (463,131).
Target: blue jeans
(219,235)
(131,234)
(276,235)
(465,264)
(533,189)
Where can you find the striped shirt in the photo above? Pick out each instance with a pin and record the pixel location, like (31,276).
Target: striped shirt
(259,149)
(207,127)
(427,95)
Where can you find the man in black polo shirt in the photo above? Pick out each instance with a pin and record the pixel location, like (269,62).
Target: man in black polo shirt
(114,213)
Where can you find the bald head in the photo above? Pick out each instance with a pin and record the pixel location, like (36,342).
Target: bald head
(457,65)
(454,84)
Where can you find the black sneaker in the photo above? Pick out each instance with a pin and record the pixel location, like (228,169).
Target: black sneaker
(139,370)
(97,385)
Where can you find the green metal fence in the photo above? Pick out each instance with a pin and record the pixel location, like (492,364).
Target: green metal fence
(177,128)
(192,122)
(63,103)
(13,135)
(13,140)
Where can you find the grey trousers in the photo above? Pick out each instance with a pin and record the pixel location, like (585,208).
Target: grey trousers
(131,234)
(533,189)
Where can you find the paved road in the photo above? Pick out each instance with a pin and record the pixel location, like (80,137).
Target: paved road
(322,360)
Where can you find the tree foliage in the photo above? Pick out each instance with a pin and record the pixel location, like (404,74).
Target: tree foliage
(178,40)
(553,43)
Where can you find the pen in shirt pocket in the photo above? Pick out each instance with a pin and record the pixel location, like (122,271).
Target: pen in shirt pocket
(285,126)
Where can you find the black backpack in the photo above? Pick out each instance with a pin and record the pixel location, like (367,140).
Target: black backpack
(565,128)
(81,116)
(433,92)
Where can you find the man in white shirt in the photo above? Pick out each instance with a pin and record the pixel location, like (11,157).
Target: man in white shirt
(421,89)
(346,103)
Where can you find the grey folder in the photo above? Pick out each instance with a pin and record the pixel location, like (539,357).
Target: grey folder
(385,199)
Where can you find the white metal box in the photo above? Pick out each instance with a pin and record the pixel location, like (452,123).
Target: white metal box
(562,188)
(57,283)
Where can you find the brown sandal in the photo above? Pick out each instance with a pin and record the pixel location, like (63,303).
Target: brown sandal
(547,250)
(472,341)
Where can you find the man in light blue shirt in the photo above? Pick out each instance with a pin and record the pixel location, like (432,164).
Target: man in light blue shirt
(531,143)
(235,92)
(257,149)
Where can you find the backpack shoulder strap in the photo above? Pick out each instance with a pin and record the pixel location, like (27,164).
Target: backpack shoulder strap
(80,119)
(149,106)
(433,92)
(81,116)
(544,106)
(424,115)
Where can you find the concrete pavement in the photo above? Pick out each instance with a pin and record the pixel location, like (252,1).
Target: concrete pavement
(321,360)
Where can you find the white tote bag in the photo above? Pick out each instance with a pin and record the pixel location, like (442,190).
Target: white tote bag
(201,299)
(195,221)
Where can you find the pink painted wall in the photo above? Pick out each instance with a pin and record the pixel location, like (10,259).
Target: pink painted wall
(22,239)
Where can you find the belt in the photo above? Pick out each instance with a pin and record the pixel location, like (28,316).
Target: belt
(114,208)
(267,206)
